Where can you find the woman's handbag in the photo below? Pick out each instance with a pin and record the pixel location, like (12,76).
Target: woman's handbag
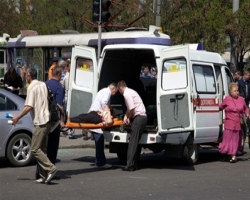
(242,122)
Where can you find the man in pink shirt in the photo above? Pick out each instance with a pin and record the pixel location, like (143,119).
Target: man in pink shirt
(136,116)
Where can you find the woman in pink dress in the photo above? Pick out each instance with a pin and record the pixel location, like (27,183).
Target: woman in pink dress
(235,107)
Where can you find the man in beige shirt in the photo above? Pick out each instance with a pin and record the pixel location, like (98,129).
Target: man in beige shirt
(37,104)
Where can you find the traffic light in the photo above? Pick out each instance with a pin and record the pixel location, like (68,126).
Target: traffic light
(105,15)
(105,10)
(96,10)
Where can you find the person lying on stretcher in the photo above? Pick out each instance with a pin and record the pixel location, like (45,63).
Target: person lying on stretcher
(104,117)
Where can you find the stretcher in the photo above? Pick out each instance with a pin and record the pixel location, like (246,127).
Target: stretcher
(75,125)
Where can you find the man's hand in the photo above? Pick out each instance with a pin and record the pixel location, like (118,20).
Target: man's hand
(62,124)
(14,119)
(25,110)
(126,120)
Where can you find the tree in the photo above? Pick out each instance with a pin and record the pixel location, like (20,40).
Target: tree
(241,30)
(209,22)
(9,18)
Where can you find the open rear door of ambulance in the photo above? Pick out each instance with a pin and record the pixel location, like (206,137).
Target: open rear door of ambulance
(173,91)
(83,80)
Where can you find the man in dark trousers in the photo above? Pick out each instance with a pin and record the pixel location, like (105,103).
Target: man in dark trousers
(243,85)
(244,89)
(136,116)
(101,99)
(58,93)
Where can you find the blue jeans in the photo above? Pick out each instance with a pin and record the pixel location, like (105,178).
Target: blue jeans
(100,158)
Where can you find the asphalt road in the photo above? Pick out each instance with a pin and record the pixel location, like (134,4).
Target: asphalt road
(211,178)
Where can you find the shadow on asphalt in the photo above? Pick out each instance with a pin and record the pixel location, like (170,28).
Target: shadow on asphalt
(150,160)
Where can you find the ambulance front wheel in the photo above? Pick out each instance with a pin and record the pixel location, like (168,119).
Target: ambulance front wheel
(190,154)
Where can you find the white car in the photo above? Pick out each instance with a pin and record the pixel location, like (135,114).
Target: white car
(15,141)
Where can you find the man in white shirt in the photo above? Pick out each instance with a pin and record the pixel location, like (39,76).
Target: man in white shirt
(101,100)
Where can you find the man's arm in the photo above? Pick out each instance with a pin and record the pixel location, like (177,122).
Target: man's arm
(63,117)
(25,110)
(129,114)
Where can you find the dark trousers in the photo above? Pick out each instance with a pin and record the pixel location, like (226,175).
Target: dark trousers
(52,147)
(137,126)
(100,158)
(91,117)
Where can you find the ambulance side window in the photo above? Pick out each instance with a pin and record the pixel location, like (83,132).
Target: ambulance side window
(84,72)
(204,79)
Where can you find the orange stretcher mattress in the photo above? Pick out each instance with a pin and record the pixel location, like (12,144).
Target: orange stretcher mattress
(76,125)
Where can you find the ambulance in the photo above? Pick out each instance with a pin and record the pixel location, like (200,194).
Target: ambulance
(182,103)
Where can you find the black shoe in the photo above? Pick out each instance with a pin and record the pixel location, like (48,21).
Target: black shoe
(129,169)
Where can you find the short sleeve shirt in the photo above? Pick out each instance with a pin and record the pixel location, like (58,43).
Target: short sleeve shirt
(102,98)
(57,90)
(37,99)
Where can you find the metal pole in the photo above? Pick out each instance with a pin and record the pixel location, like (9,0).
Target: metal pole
(235,5)
(99,32)
(233,40)
(158,16)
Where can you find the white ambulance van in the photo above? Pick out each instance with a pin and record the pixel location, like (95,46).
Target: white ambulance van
(182,103)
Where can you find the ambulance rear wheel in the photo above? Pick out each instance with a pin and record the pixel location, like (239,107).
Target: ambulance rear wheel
(190,154)
(123,156)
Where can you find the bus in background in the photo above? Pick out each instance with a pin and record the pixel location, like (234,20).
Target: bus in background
(3,56)
(40,50)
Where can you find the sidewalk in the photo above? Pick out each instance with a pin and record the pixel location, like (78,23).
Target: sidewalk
(78,142)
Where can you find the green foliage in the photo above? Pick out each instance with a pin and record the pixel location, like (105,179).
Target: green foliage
(8,17)
(210,22)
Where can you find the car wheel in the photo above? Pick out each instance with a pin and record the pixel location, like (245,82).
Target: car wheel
(19,150)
